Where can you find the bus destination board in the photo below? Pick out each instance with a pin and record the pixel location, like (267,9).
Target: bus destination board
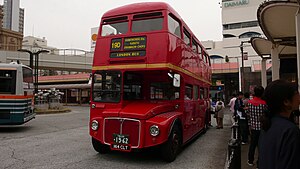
(130,47)
(135,43)
(127,54)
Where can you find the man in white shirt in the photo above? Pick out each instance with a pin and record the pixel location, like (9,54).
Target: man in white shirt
(231,103)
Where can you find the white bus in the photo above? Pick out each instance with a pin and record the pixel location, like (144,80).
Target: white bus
(16,94)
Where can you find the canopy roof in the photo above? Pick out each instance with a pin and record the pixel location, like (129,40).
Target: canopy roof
(277,21)
(263,48)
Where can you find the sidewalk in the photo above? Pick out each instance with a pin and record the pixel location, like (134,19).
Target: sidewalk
(244,157)
(244,148)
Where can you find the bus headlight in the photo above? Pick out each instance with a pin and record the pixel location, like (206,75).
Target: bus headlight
(94,125)
(154,130)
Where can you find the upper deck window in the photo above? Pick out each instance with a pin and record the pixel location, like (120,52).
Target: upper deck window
(174,26)
(200,51)
(147,24)
(114,26)
(194,46)
(206,58)
(187,37)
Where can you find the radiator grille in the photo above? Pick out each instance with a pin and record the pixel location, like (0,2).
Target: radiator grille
(124,126)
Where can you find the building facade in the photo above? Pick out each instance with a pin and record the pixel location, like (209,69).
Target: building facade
(9,40)
(239,21)
(35,44)
(13,16)
(1,16)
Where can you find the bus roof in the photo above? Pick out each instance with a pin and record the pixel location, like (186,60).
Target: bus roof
(140,7)
(145,7)
(12,65)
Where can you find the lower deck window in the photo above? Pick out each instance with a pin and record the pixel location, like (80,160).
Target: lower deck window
(163,91)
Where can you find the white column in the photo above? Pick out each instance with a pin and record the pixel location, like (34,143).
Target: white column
(298,44)
(263,73)
(275,62)
(240,81)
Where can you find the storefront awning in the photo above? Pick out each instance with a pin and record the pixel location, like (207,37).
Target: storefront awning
(66,86)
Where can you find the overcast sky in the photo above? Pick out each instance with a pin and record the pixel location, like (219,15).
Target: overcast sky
(68,23)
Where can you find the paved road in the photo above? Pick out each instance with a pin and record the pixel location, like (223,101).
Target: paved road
(62,141)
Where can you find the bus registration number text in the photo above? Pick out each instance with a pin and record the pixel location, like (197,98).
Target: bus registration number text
(121,139)
(121,142)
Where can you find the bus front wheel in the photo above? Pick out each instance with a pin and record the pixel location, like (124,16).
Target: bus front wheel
(99,147)
(171,148)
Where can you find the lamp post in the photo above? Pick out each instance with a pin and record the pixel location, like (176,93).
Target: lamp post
(30,55)
(36,64)
(242,70)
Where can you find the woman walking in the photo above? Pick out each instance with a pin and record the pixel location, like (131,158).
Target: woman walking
(220,114)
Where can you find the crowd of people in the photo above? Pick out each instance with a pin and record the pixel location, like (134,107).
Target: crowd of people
(271,119)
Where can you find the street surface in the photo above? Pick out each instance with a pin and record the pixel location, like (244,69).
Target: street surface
(62,141)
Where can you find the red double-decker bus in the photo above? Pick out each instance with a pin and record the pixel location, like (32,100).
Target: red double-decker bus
(150,81)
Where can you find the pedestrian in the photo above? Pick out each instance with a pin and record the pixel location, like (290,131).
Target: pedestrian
(241,117)
(246,98)
(256,108)
(220,113)
(245,101)
(231,103)
(279,143)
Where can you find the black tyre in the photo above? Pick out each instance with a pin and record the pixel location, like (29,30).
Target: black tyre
(172,147)
(99,147)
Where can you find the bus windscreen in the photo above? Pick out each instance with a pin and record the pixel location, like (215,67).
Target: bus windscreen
(8,81)
(107,86)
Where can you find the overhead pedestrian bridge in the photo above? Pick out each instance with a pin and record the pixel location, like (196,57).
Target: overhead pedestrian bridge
(59,59)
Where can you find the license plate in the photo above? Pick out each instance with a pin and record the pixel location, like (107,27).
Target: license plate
(120,147)
(121,142)
(121,139)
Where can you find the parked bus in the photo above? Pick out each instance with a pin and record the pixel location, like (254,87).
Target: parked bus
(150,81)
(16,94)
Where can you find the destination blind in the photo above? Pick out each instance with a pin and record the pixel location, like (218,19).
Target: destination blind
(130,47)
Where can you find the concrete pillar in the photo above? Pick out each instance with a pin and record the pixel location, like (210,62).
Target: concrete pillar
(263,73)
(240,81)
(275,62)
(298,45)
(80,96)
(66,96)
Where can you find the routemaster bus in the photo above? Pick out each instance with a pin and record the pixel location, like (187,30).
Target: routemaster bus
(16,94)
(150,81)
